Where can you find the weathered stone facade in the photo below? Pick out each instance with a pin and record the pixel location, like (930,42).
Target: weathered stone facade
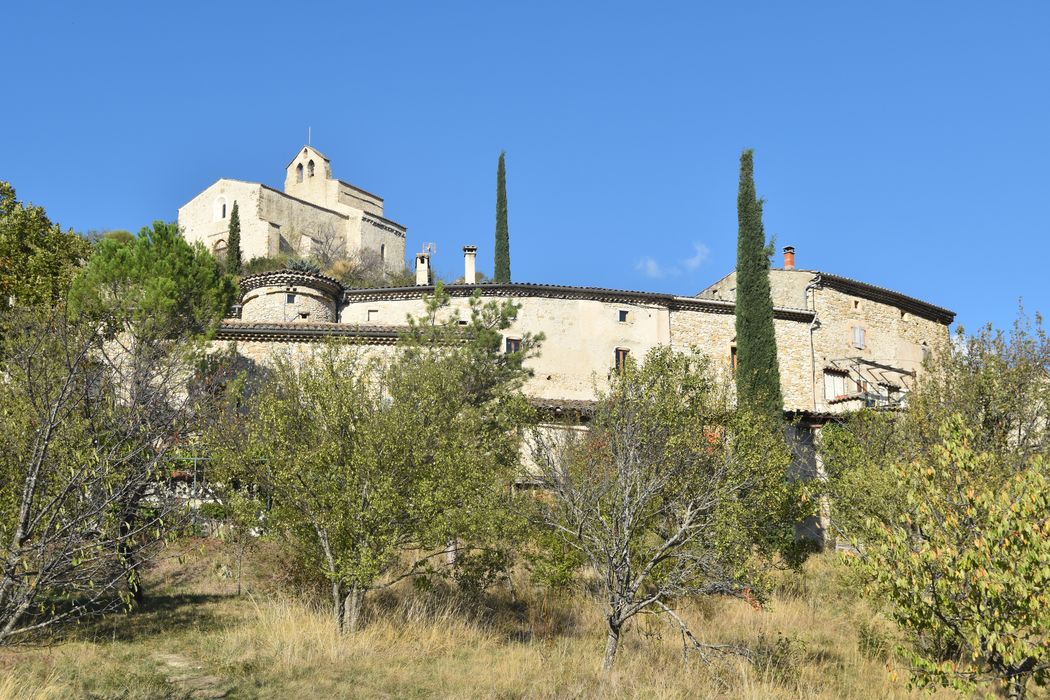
(316,214)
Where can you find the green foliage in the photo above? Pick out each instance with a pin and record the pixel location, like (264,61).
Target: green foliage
(303,265)
(38,260)
(233,242)
(378,471)
(757,373)
(947,501)
(157,284)
(671,493)
(967,565)
(501,273)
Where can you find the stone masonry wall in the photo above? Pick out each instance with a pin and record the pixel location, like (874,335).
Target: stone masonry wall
(271,305)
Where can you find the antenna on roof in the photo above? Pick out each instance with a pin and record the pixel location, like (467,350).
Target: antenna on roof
(308,136)
(429,248)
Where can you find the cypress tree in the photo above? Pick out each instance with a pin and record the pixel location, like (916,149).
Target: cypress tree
(233,243)
(502,268)
(757,375)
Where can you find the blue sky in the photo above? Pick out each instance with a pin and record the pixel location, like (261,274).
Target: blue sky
(904,144)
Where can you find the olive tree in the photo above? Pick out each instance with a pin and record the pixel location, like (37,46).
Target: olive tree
(672,492)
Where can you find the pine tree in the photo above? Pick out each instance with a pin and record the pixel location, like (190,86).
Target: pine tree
(233,243)
(502,269)
(757,375)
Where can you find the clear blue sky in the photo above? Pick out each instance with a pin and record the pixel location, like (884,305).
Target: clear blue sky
(904,144)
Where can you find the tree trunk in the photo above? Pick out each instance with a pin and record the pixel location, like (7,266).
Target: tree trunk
(353,604)
(1017,687)
(337,604)
(612,642)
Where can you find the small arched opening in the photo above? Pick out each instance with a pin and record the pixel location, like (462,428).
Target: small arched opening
(382,251)
(299,173)
(310,169)
(220,208)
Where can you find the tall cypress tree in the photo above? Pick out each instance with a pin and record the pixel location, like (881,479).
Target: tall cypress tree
(233,243)
(757,375)
(502,270)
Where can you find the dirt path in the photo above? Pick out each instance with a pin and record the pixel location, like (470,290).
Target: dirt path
(188,676)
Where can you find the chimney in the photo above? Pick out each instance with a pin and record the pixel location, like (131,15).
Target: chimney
(789,257)
(422,268)
(470,257)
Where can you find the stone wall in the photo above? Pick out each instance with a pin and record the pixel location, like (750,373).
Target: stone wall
(201,218)
(714,335)
(287,305)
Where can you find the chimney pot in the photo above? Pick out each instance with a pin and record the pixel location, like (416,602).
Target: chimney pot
(470,257)
(789,257)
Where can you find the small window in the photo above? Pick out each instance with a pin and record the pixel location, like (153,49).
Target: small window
(310,169)
(373,315)
(856,304)
(382,251)
(290,299)
(224,210)
(220,208)
(299,173)
(858,337)
(835,384)
(621,358)
(925,351)
(623,316)
(513,345)
(732,357)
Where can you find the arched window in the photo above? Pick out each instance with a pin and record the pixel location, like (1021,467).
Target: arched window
(220,208)
(299,173)
(382,251)
(310,169)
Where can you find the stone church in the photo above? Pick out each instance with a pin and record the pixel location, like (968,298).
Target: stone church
(316,215)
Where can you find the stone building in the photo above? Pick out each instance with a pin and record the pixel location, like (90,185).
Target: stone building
(316,215)
(841,344)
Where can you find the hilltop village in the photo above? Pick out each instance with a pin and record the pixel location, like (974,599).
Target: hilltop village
(842,344)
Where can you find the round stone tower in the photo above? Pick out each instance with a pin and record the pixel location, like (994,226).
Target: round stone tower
(290,296)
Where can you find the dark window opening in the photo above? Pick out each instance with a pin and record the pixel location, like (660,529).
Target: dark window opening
(299,173)
(290,299)
(621,358)
(310,169)
(623,316)
(513,345)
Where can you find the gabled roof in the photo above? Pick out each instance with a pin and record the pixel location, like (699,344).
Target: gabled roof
(887,296)
(308,146)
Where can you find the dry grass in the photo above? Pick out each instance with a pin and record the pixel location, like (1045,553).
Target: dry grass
(814,641)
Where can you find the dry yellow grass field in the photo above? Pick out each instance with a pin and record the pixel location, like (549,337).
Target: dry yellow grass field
(197,639)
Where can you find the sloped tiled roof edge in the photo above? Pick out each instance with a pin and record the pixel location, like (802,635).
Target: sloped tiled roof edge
(557,291)
(887,296)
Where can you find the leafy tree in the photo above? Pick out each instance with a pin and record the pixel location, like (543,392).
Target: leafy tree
(967,565)
(672,493)
(38,260)
(86,432)
(950,518)
(502,251)
(233,243)
(378,470)
(757,374)
(157,284)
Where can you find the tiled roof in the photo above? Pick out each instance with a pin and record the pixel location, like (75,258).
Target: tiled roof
(558,291)
(232,329)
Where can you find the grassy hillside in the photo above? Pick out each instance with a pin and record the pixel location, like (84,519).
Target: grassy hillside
(197,638)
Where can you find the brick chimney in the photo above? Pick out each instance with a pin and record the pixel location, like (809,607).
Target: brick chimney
(470,257)
(789,257)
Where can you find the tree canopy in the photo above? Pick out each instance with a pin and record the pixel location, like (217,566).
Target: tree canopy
(157,283)
(38,260)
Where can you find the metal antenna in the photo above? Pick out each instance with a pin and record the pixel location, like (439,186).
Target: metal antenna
(308,135)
